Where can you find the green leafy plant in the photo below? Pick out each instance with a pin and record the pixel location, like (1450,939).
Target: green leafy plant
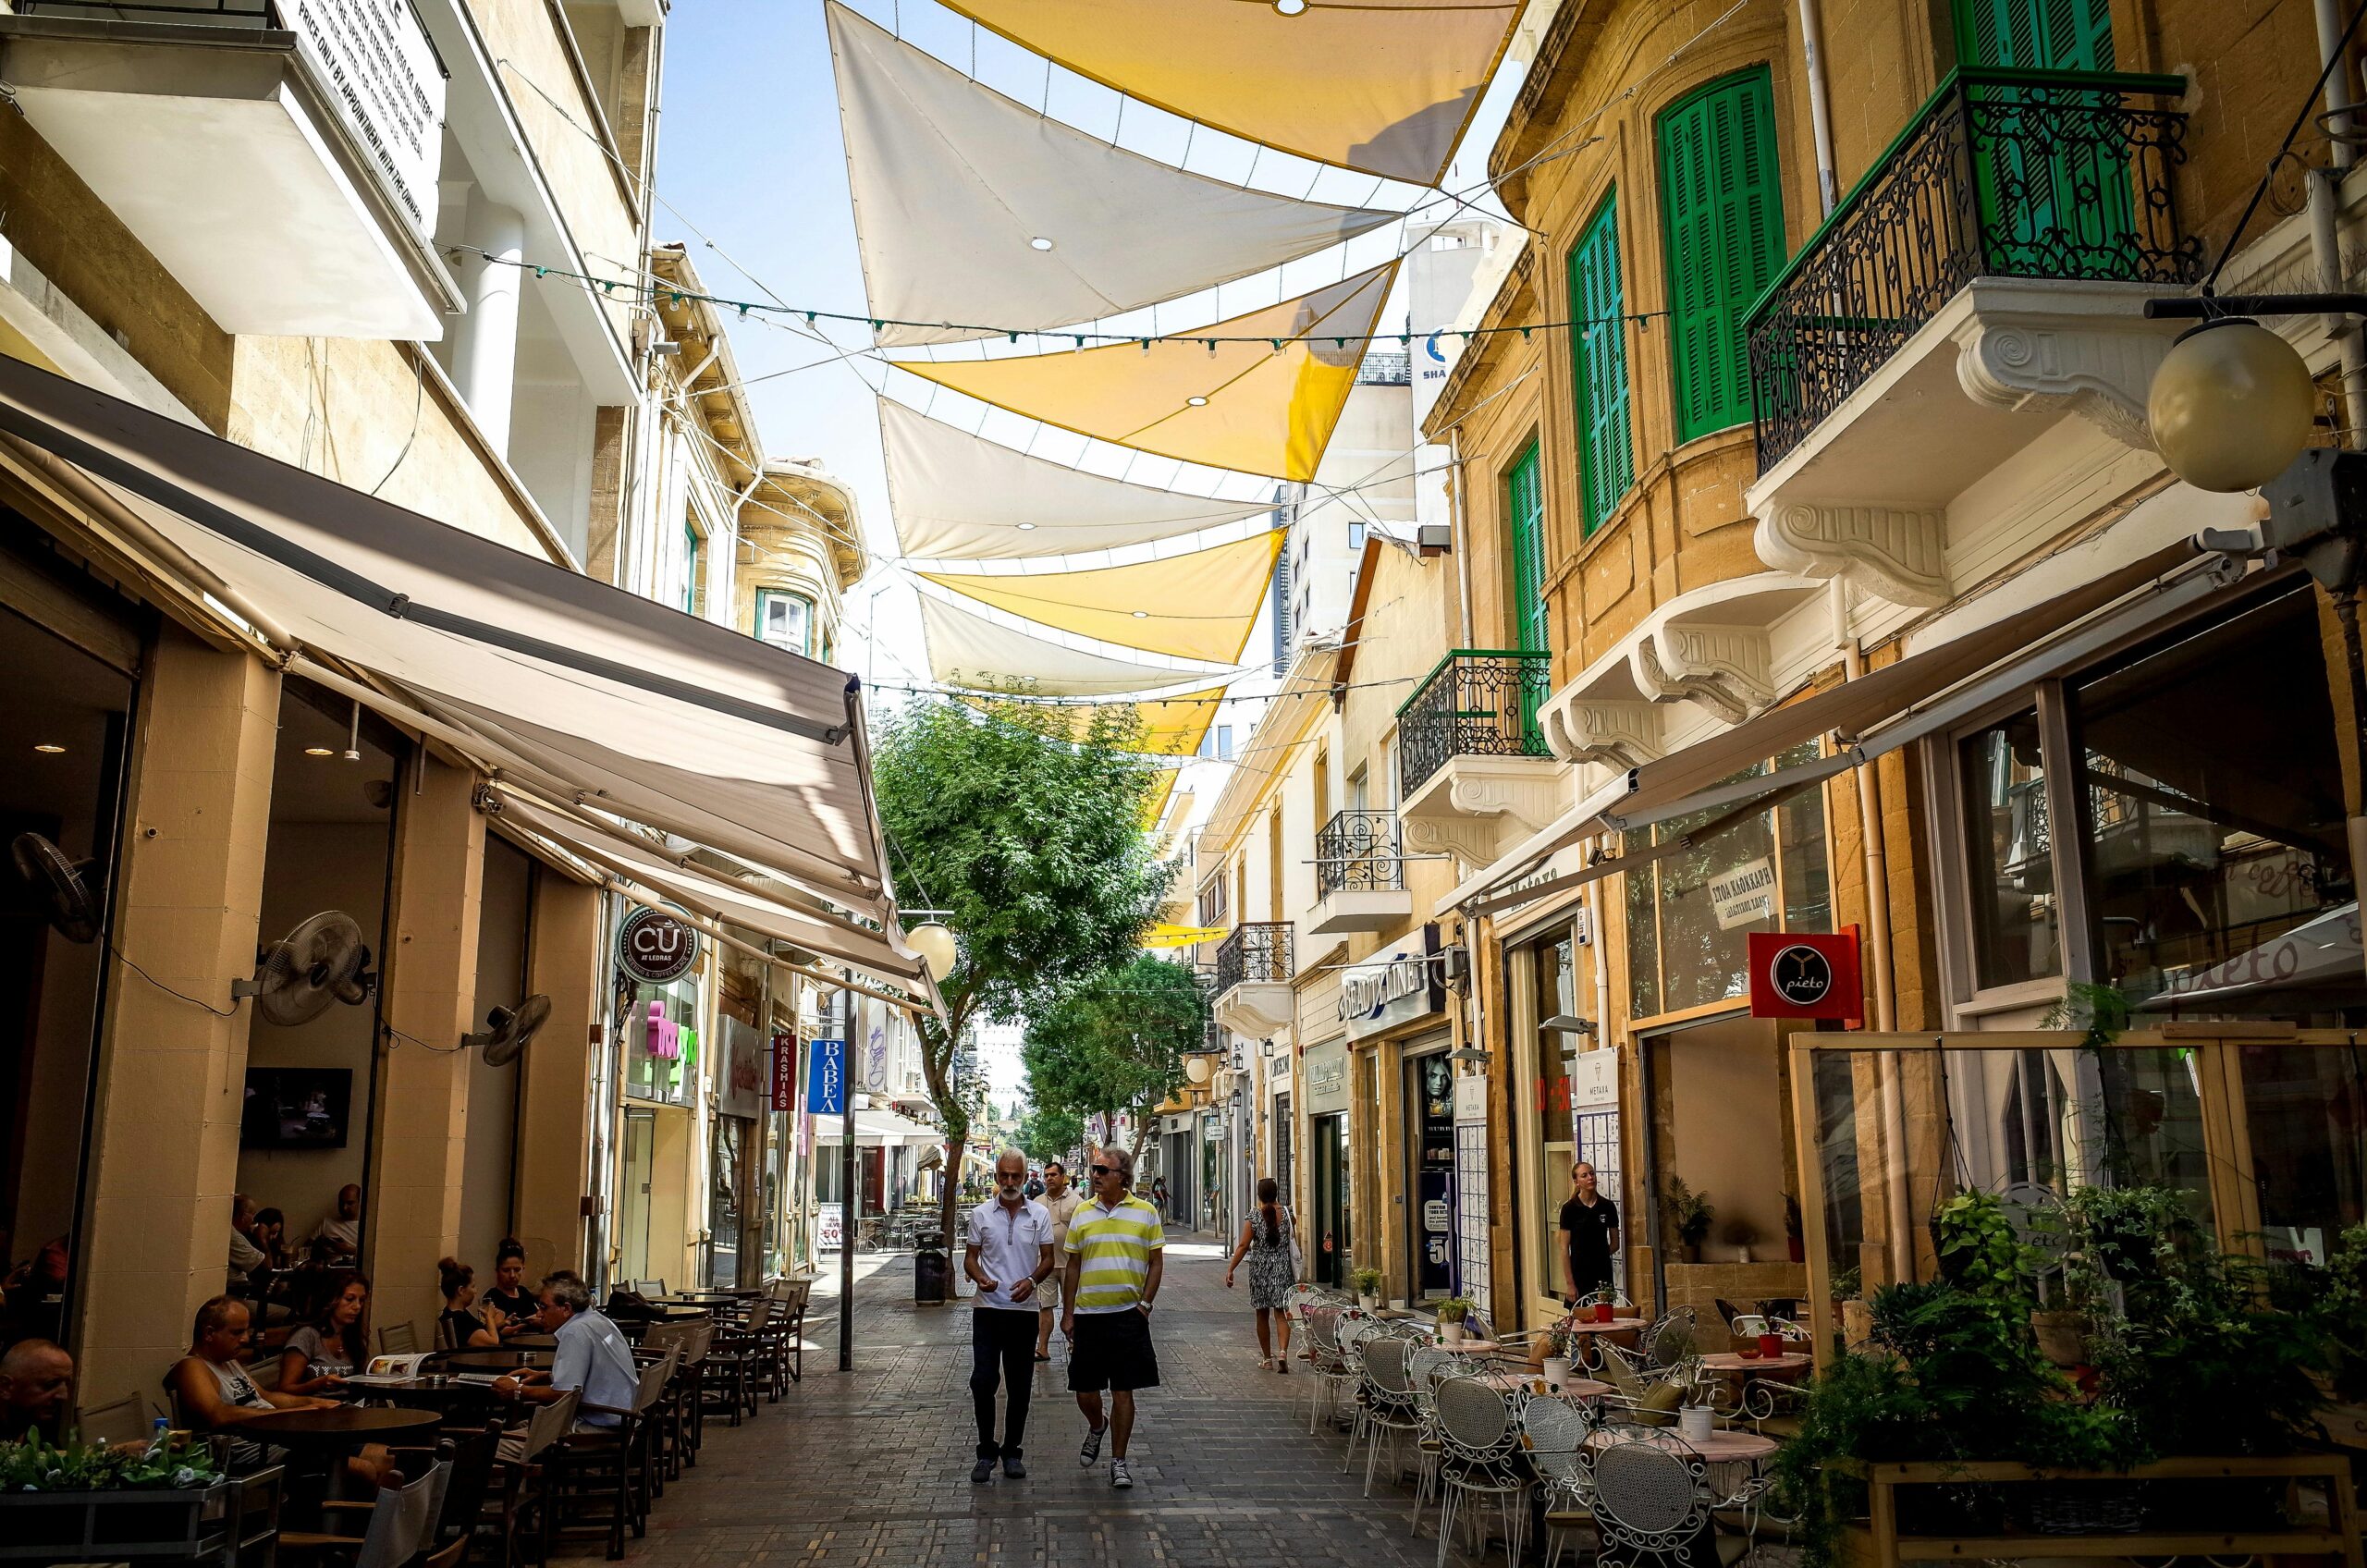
(1367,1282)
(1848,1284)
(32,1465)
(1980,1250)
(1455,1309)
(1687,1213)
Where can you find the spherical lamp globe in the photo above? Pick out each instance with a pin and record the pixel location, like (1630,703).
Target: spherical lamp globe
(935,946)
(2231,406)
(1197,1070)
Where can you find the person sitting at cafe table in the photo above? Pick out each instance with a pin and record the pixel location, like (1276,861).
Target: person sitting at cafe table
(511,1306)
(212,1392)
(270,1236)
(465,1324)
(36,1385)
(335,1345)
(340,1234)
(592,1359)
(246,1260)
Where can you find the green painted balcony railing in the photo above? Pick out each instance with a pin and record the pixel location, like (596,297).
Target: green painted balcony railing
(2003,173)
(1477,702)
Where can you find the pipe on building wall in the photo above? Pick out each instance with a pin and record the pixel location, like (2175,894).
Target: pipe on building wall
(2324,190)
(1462,535)
(1899,1200)
(1828,179)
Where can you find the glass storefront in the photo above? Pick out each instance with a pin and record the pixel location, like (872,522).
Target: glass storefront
(1429,1183)
(662,1042)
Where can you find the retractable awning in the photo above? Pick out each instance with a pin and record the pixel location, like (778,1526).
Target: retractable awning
(1869,717)
(878,1129)
(577,690)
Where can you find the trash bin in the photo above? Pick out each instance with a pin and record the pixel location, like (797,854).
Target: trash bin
(929,1273)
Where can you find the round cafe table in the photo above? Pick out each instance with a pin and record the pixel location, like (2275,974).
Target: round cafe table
(491,1360)
(1788,1365)
(316,1439)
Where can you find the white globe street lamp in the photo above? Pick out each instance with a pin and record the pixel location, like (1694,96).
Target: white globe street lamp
(936,945)
(2231,406)
(1197,1070)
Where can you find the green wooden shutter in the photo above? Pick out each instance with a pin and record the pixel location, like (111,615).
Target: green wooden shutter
(1606,456)
(2048,35)
(1524,504)
(1722,199)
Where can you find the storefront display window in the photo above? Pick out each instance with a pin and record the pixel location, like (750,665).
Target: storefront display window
(2213,821)
(2014,932)
(1689,915)
(662,1046)
(2306,1115)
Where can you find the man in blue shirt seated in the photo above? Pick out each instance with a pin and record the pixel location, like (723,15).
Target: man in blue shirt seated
(593,1359)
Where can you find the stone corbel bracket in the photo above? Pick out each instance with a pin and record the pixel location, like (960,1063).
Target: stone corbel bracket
(1890,552)
(1619,734)
(2100,369)
(1480,803)
(1724,668)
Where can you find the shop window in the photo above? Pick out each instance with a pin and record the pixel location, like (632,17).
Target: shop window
(1689,915)
(2212,821)
(2306,1113)
(785,620)
(662,1047)
(2016,934)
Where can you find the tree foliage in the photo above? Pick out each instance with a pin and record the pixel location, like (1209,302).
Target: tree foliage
(1026,829)
(1114,1043)
(1050,1134)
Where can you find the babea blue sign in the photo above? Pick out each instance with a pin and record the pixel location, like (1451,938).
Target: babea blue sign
(825,1078)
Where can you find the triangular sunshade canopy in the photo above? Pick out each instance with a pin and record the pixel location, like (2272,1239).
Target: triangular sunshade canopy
(1163,789)
(975,651)
(976,211)
(1199,606)
(1385,86)
(1168,726)
(958,497)
(1264,405)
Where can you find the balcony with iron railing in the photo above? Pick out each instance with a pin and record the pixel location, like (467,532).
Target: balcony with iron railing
(1254,972)
(1472,762)
(1359,873)
(1984,279)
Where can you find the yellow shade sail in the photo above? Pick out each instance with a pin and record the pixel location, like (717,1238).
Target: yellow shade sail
(1170,727)
(1166,936)
(1199,606)
(1266,405)
(1155,802)
(1385,86)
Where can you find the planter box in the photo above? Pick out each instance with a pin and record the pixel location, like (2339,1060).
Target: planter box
(106,1526)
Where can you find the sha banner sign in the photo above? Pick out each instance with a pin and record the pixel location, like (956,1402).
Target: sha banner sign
(1805,974)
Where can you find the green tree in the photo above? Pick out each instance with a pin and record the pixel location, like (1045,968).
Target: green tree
(1050,1134)
(1024,825)
(1114,1043)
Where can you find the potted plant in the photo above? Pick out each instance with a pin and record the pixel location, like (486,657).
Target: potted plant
(65,1499)
(1367,1284)
(1688,1215)
(1561,1358)
(1452,1312)
(1741,1235)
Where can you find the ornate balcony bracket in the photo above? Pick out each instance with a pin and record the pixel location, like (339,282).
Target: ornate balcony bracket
(1724,668)
(1476,806)
(2098,366)
(1257,1009)
(1890,552)
(1620,734)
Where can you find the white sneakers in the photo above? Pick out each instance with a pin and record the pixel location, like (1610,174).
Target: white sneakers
(1119,1476)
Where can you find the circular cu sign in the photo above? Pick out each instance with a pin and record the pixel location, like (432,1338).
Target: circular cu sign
(655,949)
(1800,974)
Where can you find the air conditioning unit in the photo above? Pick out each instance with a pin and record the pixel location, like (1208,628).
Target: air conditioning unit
(1434,539)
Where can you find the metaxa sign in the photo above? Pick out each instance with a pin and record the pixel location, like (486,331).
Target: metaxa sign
(655,948)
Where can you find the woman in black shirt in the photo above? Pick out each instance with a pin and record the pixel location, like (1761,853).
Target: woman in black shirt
(1591,1233)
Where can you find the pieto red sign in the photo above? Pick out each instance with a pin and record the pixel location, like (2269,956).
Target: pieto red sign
(1805,974)
(655,949)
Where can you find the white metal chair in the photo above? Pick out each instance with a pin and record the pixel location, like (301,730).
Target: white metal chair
(1652,1505)
(1354,1332)
(1327,1364)
(1480,1458)
(1391,1408)
(1427,1365)
(1554,1429)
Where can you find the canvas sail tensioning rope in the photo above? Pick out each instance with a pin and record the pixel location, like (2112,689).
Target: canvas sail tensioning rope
(975,651)
(1263,406)
(1385,86)
(958,497)
(1199,606)
(971,207)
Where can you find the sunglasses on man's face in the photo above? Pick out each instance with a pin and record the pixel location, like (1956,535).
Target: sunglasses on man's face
(1103,1169)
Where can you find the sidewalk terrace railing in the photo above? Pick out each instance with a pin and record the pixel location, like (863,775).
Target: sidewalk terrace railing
(1254,954)
(1477,702)
(1357,851)
(2003,173)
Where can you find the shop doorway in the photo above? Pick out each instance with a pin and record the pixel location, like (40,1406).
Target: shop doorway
(632,1228)
(1429,1175)
(1284,1171)
(1328,1153)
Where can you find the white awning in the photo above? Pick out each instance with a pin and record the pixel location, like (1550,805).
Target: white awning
(976,211)
(877,1128)
(589,694)
(958,497)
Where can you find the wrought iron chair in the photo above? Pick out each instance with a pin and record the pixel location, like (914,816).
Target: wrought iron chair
(1391,1408)
(1353,1332)
(1427,1365)
(1480,1457)
(1554,1430)
(1327,1363)
(1652,1505)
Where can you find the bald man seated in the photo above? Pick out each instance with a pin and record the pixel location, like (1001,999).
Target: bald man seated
(36,1390)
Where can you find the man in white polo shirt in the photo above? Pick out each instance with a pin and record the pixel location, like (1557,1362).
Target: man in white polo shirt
(1008,1252)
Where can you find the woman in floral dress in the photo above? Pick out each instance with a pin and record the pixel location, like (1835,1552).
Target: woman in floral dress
(1269,1240)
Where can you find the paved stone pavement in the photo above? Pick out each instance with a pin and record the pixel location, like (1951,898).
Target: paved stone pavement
(872,1467)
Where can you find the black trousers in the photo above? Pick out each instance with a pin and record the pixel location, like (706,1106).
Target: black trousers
(1003,1349)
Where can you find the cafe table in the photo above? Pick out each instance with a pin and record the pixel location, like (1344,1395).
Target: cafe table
(316,1439)
(1787,1366)
(1732,1456)
(491,1360)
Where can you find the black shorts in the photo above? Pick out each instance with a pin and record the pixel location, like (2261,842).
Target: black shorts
(1112,1350)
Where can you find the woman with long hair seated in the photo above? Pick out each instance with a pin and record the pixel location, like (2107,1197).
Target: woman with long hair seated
(335,1345)
(465,1325)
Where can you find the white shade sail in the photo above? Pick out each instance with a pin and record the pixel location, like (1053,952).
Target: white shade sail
(974,210)
(958,497)
(629,706)
(1199,606)
(972,651)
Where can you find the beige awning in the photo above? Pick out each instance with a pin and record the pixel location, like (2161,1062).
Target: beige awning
(596,695)
(1875,714)
(980,212)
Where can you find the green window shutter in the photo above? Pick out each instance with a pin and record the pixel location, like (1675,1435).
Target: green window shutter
(2049,35)
(1606,455)
(1724,203)
(1525,506)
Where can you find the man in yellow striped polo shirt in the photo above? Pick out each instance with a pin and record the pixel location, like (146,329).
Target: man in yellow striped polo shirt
(1116,1254)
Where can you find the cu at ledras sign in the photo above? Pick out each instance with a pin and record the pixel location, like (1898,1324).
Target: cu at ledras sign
(1394,987)
(655,949)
